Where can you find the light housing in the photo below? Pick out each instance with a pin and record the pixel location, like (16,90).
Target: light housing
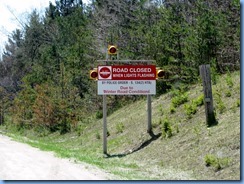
(93,74)
(160,74)
(112,50)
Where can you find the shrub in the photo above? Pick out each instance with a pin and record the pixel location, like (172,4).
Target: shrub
(80,129)
(99,114)
(238,103)
(179,99)
(22,107)
(214,73)
(197,132)
(172,109)
(220,106)
(217,163)
(44,109)
(41,131)
(120,127)
(210,160)
(167,131)
(229,80)
(219,103)
(199,100)
(177,128)
(190,109)
(228,93)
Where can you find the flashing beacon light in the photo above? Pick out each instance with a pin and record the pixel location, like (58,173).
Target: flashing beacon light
(93,74)
(112,49)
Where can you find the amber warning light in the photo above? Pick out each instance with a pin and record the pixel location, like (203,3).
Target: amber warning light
(160,73)
(93,74)
(112,49)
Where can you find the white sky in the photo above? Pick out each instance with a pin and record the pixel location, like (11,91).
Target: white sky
(21,9)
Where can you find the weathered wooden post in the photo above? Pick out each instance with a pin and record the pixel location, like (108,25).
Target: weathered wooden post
(208,97)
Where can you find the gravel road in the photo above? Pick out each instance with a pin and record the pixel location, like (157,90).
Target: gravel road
(19,161)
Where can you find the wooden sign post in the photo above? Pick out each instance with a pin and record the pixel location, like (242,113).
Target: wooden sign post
(208,97)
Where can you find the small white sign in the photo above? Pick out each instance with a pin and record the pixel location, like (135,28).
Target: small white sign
(125,87)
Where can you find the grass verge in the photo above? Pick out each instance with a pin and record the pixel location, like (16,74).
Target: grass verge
(136,155)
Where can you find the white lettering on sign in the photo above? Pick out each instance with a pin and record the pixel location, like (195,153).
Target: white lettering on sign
(127,72)
(120,70)
(118,75)
(131,70)
(138,70)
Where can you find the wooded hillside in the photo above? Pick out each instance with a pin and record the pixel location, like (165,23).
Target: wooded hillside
(44,80)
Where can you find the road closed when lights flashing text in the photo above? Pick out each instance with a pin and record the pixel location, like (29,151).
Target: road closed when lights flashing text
(127,72)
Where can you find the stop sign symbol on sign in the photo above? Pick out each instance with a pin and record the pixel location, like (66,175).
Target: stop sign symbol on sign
(104,72)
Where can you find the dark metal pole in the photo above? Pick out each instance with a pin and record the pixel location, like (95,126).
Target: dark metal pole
(104,124)
(149,114)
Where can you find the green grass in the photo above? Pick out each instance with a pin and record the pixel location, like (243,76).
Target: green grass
(216,162)
(134,155)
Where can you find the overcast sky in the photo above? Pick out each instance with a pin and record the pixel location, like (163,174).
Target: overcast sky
(20,10)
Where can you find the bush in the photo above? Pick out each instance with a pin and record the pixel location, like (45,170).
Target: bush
(179,99)
(167,131)
(22,107)
(238,103)
(228,93)
(229,80)
(199,100)
(220,106)
(120,127)
(80,129)
(210,160)
(219,102)
(44,108)
(217,163)
(190,109)
(172,109)
(99,114)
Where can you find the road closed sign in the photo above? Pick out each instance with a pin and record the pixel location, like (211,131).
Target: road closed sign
(127,80)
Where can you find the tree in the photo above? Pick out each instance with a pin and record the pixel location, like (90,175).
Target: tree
(12,65)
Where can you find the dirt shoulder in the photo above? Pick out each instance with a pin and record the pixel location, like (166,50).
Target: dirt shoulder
(19,161)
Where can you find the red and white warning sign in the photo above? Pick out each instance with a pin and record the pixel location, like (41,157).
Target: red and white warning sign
(127,80)
(127,72)
(104,72)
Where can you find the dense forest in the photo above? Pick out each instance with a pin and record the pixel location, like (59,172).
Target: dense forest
(44,81)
